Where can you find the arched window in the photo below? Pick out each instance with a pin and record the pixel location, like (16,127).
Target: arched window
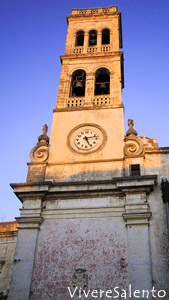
(79,38)
(105,36)
(92,38)
(77,88)
(102,81)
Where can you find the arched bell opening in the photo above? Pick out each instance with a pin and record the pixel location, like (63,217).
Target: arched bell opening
(105,36)
(102,81)
(79,38)
(77,88)
(92,38)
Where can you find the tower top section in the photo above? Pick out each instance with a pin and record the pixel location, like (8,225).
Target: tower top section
(97,14)
(92,64)
(93,11)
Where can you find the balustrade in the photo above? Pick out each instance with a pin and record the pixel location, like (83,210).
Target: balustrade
(78,50)
(75,102)
(102,100)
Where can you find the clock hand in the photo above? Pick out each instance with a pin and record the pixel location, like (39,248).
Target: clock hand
(86,139)
(90,137)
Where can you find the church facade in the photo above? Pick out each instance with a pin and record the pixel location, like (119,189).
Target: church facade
(94,214)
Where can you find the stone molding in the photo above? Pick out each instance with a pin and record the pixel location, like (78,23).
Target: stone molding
(94,107)
(89,55)
(93,212)
(30,191)
(29,222)
(86,162)
(66,190)
(137,183)
(138,218)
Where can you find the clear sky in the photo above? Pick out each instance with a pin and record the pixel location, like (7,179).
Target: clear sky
(32,36)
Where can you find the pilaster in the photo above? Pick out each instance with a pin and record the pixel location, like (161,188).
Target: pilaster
(99,38)
(29,225)
(137,218)
(85,41)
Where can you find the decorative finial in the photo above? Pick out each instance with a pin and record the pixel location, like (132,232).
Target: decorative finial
(131,130)
(44,138)
(45,129)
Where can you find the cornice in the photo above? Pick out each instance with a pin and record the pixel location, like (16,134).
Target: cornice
(139,218)
(94,107)
(67,190)
(90,16)
(29,222)
(87,56)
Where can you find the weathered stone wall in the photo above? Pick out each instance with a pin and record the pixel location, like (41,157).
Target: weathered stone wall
(98,245)
(113,228)
(159,241)
(159,233)
(8,238)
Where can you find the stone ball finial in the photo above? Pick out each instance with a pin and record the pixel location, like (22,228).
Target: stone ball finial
(43,137)
(131,130)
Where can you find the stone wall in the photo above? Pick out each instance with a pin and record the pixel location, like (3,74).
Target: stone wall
(8,238)
(97,245)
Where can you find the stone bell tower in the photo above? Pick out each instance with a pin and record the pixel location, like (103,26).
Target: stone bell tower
(86,215)
(88,126)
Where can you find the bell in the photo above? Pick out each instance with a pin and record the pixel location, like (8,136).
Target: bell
(103,88)
(78,88)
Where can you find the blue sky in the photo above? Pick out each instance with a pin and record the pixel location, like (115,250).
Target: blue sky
(32,36)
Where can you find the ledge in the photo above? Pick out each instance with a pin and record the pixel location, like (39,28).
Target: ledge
(88,55)
(94,107)
(134,216)
(29,222)
(138,218)
(67,190)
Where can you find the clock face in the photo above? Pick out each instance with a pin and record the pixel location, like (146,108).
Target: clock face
(86,138)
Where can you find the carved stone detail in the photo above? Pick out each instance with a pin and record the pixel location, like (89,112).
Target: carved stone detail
(44,138)
(133,146)
(131,130)
(80,280)
(40,152)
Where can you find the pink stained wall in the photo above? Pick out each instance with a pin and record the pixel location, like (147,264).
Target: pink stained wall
(95,244)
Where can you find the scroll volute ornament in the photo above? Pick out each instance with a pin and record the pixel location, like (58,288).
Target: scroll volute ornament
(40,152)
(133,145)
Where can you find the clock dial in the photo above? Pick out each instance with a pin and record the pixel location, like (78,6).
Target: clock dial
(86,138)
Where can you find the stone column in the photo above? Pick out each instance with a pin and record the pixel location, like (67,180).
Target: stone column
(112,88)
(139,259)
(89,89)
(24,258)
(99,40)
(31,196)
(111,41)
(86,41)
(137,217)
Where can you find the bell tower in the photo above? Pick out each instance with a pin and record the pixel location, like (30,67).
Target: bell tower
(91,203)
(88,126)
